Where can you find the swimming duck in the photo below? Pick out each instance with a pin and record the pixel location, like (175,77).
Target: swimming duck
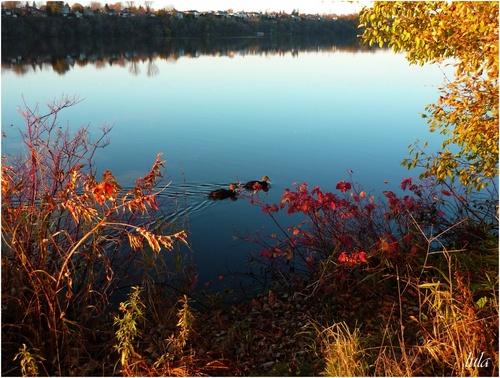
(257,185)
(224,193)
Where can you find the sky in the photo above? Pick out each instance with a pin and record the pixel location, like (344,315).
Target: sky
(303,6)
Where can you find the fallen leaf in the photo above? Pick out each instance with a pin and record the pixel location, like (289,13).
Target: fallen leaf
(271,298)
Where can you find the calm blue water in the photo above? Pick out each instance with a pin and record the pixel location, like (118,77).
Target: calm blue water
(306,117)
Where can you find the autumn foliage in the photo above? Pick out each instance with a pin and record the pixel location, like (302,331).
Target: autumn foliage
(401,282)
(466,112)
(355,227)
(352,250)
(64,240)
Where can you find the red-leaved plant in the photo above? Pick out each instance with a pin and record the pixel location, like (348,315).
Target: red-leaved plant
(352,230)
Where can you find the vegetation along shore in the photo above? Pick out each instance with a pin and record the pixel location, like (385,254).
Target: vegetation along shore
(404,283)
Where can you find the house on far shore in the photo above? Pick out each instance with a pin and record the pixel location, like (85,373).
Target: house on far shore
(89,12)
(192,14)
(76,15)
(126,13)
(65,10)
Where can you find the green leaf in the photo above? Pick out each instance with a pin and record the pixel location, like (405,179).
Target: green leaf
(429,285)
(482,302)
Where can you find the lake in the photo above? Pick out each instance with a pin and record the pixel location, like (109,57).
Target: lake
(236,112)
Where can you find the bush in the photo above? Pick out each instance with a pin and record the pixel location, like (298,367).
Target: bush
(63,235)
(425,262)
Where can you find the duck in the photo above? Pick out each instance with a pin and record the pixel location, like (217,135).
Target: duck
(224,193)
(257,185)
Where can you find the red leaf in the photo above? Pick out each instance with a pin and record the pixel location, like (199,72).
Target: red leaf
(343,186)
(405,183)
(343,257)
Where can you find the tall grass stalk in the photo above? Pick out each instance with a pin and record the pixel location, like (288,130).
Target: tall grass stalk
(454,329)
(343,352)
(128,329)
(29,361)
(185,323)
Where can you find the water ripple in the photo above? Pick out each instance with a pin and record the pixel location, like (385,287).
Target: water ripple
(181,200)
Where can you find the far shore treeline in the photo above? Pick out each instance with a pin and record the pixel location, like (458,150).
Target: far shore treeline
(31,37)
(31,24)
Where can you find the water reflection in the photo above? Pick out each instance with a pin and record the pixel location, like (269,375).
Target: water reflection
(23,57)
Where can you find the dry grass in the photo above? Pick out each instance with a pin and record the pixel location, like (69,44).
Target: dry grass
(343,353)
(453,334)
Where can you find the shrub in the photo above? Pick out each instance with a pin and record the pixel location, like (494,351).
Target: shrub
(353,229)
(424,260)
(62,240)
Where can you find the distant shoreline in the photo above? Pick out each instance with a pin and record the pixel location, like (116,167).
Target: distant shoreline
(169,26)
